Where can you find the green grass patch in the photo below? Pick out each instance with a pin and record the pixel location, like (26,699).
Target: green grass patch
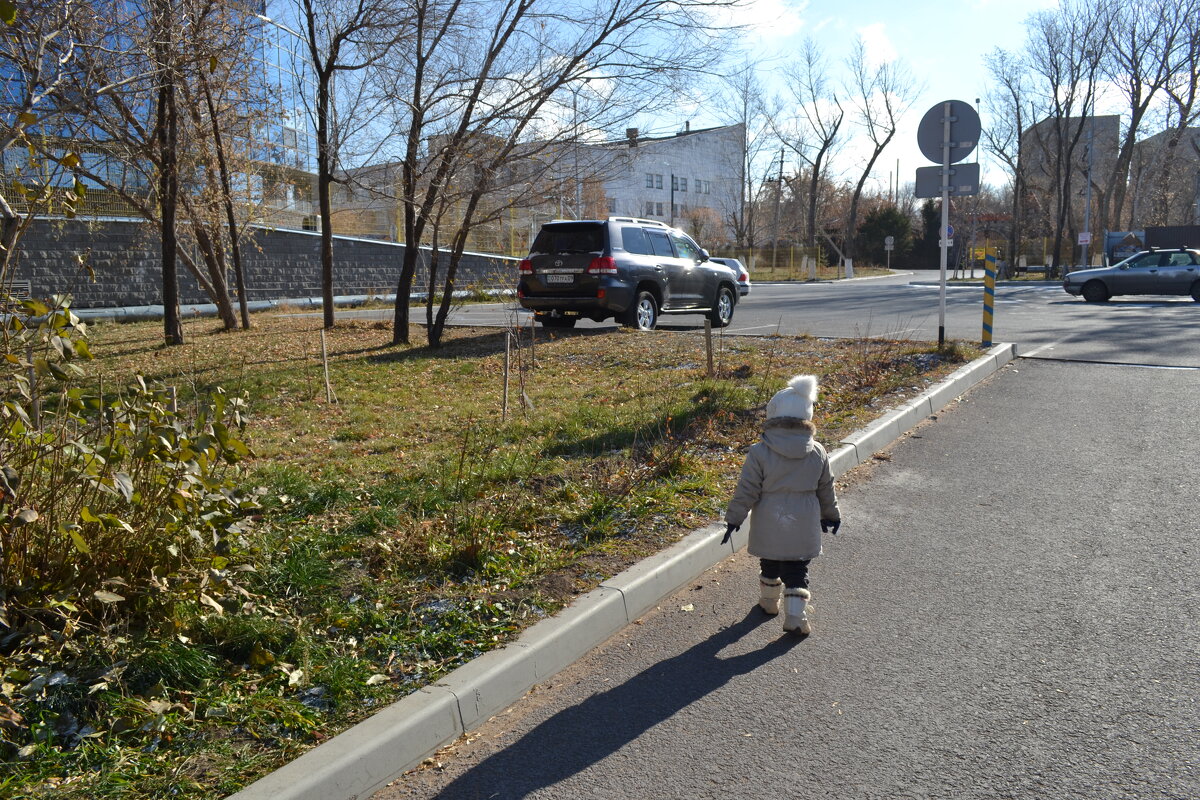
(406,528)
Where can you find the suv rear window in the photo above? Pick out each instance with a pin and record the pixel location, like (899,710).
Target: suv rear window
(585,238)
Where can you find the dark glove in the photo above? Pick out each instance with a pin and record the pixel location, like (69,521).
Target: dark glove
(729,529)
(830,526)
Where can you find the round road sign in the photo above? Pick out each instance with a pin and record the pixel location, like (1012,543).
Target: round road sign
(964,131)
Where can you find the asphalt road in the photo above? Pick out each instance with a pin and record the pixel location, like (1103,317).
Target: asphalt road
(1009,612)
(1041,318)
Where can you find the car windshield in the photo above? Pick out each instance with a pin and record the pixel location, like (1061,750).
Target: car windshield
(585,238)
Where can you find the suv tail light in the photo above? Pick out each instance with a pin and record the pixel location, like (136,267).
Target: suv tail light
(525,267)
(603,265)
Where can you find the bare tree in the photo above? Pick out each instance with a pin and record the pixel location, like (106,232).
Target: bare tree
(220,152)
(342,37)
(881,96)
(1183,89)
(744,97)
(1011,109)
(44,53)
(480,79)
(1063,55)
(194,47)
(1149,50)
(812,131)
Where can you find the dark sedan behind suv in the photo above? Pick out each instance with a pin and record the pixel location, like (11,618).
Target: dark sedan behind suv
(626,268)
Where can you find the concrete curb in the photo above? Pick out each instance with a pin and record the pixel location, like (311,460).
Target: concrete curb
(975,283)
(358,762)
(863,444)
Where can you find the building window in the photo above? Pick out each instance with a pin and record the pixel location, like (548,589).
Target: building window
(658,181)
(649,208)
(649,180)
(612,205)
(658,209)
(683,184)
(674,184)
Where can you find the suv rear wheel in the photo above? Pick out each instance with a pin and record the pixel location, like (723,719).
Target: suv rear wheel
(643,314)
(722,310)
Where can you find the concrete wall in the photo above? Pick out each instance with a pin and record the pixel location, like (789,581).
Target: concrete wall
(124,259)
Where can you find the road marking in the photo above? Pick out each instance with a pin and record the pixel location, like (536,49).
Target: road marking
(752,328)
(1034,353)
(1135,365)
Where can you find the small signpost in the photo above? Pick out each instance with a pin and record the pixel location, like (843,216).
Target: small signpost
(889,244)
(948,133)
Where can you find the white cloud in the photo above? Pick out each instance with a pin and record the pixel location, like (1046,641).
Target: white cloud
(769,20)
(879,47)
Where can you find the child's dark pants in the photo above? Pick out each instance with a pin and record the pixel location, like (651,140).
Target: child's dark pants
(793,573)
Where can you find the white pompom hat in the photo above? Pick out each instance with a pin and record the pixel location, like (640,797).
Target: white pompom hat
(796,400)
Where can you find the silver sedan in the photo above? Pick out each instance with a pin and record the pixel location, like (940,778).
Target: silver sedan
(1151,272)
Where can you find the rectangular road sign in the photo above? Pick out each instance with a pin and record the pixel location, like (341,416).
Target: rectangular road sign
(964,180)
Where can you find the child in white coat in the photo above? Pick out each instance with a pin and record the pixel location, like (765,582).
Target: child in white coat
(786,482)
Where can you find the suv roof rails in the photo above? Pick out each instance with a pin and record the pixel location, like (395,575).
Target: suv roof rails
(640,221)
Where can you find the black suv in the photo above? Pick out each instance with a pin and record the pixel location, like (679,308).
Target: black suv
(630,269)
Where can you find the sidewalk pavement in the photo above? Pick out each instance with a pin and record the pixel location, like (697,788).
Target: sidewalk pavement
(361,760)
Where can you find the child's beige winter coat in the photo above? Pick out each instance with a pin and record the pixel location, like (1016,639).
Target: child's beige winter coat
(787,483)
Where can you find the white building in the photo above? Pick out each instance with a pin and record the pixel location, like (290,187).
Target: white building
(692,179)
(1165,178)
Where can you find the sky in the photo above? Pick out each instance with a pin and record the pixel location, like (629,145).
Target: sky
(943,44)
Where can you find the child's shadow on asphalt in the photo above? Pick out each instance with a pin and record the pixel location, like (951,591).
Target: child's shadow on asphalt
(577,737)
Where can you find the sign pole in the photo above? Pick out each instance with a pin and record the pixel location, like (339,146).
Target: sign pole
(945,244)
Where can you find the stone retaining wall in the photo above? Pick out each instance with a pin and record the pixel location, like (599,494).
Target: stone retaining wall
(126,268)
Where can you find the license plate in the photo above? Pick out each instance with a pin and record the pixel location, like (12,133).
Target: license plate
(558,278)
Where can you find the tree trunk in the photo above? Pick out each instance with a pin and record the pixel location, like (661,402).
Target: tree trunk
(235,248)
(324,201)
(851,227)
(167,133)
(214,259)
(10,232)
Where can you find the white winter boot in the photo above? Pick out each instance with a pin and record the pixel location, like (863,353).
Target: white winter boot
(794,617)
(772,590)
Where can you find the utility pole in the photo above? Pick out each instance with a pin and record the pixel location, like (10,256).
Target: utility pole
(778,197)
(575,150)
(674,180)
(1087,208)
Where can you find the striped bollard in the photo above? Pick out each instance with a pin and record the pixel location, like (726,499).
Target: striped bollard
(989,297)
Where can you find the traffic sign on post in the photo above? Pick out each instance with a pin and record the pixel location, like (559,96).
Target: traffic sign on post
(963,132)
(964,180)
(948,133)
